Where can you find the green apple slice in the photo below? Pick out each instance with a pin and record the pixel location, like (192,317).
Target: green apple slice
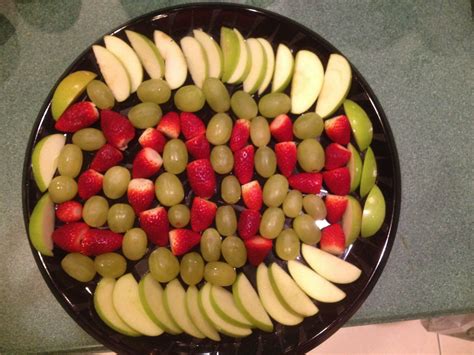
(175,304)
(308,76)
(129,59)
(369,173)
(152,299)
(114,73)
(249,303)
(41,226)
(105,309)
(176,69)
(360,124)
(69,90)
(259,66)
(355,167)
(314,285)
(213,53)
(373,214)
(244,62)
(275,308)
(225,306)
(270,57)
(217,321)
(231,52)
(198,318)
(330,266)
(351,220)
(196,59)
(44,159)
(289,293)
(337,82)
(284,63)
(126,301)
(148,54)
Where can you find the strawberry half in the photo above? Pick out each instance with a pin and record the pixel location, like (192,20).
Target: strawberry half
(117,129)
(243,163)
(69,236)
(307,183)
(183,240)
(100,241)
(240,134)
(202,214)
(169,125)
(77,116)
(69,211)
(257,249)
(249,223)
(338,181)
(152,138)
(202,178)
(333,240)
(335,207)
(89,183)
(105,158)
(147,162)
(282,128)
(156,226)
(336,156)
(252,195)
(140,194)
(286,157)
(338,129)
(199,147)
(191,125)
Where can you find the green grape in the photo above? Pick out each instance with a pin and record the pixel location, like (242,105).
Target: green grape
(216,94)
(265,162)
(70,161)
(274,104)
(179,215)
(219,129)
(260,131)
(211,245)
(243,105)
(145,115)
(287,245)
(115,182)
(314,206)
(189,98)
(163,265)
(154,90)
(89,139)
(175,156)
(226,220)
(62,189)
(219,273)
(308,125)
(192,268)
(272,222)
(95,211)
(168,189)
(110,265)
(275,190)
(230,189)
(306,229)
(120,217)
(100,94)
(134,244)
(222,159)
(293,203)
(234,251)
(310,155)
(79,267)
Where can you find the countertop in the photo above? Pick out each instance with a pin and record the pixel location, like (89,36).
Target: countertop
(416,55)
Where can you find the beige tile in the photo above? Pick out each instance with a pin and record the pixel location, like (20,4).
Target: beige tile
(455,346)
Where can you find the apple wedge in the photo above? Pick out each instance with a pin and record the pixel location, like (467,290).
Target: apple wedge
(129,59)
(225,306)
(244,62)
(369,173)
(351,220)
(114,73)
(308,76)
(126,301)
(270,57)
(337,82)
(360,124)
(44,160)
(198,318)
(148,54)
(176,69)
(284,63)
(41,226)
(213,53)
(373,214)
(259,66)
(196,59)
(355,167)
(230,50)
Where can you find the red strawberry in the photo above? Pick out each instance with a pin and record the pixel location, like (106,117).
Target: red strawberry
(169,125)
(286,157)
(198,147)
(335,207)
(69,211)
(252,195)
(202,178)
(282,128)
(105,158)
(69,236)
(240,134)
(191,125)
(243,164)
(140,193)
(338,129)
(156,226)
(89,183)
(79,115)
(307,183)
(249,223)
(147,162)
(152,138)
(202,214)
(183,240)
(338,181)
(336,156)
(257,249)
(117,129)
(100,241)
(333,240)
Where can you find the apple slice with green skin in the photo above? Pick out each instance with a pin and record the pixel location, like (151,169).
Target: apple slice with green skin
(336,86)
(231,52)
(41,226)
(373,214)
(369,173)
(314,285)
(247,300)
(175,304)
(284,63)
(330,266)
(351,220)
(244,62)
(198,318)
(275,308)
(259,66)
(128,58)
(225,306)
(126,302)
(213,53)
(196,59)
(105,309)
(176,69)
(289,293)
(360,124)
(308,76)
(151,297)
(270,56)
(148,54)
(355,167)
(44,159)
(114,73)
(68,90)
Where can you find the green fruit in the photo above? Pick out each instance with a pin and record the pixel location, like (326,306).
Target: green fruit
(230,50)
(192,268)
(115,182)
(189,98)
(120,217)
(308,125)
(260,131)
(110,265)
(293,204)
(219,129)
(355,167)
(219,273)
(44,159)
(310,155)
(62,189)
(168,189)
(216,94)
(89,139)
(41,225)
(265,161)
(134,244)
(70,161)
(275,190)
(154,90)
(145,115)
(284,64)
(373,214)
(230,189)
(243,105)
(224,305)
(274,104)
(287,245)
(360,124)
(179,215)
(272,222)
(210,246)
(164,266)
(79,267)
(95,211)
(197,315)
(369,173)
(306,229)
(226,220)
(148,53)
(175,156)
(234,252)
(351,220)
(314,206)
(100,94)
(222,159)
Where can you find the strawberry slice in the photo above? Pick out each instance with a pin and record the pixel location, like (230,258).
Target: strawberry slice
(183,240)
(257,249)
(169,125)
(152,138)
(69,236)
(140,194)
(336,156)
(338,129)
(100,241)
(243,163)
(202,214)
(191,125)
(199,147)
(202,178)
(286,157)
(156,226)
(147,162)
(282,128)
(69,211)
(249,223)
(335,207)
(252,195)
(89,183)
(240,134)
(77,116)
(307,183)
(105,158)
(117,129)
(333,240)
(338,181)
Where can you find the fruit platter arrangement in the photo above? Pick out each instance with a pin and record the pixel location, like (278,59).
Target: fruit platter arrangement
(211,178)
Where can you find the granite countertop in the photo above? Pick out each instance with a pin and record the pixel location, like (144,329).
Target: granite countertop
(418,58)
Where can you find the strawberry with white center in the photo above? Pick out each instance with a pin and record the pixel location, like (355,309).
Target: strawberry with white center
(183,240)
(252,195)
(286,155)
(199,147)
(335,207)
(191,125)
(338,181)
(89,184)
(156,226)
(240,134)
(152,138)
(202,178)
(307,183)
(69,211)
(140,194)
(79,115)
(202,214)
(249,223)
(257,249)
(100,241)
(105,158)
(243,163)
(117,129)
(282,128)
(69,236)
(336,156)
(147,163)
(169,125)
(338,129)
(333,240)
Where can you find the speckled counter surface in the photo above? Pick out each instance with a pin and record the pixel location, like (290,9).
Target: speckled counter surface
(416,55)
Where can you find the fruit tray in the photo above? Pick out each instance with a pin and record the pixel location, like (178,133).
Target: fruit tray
(377,198)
